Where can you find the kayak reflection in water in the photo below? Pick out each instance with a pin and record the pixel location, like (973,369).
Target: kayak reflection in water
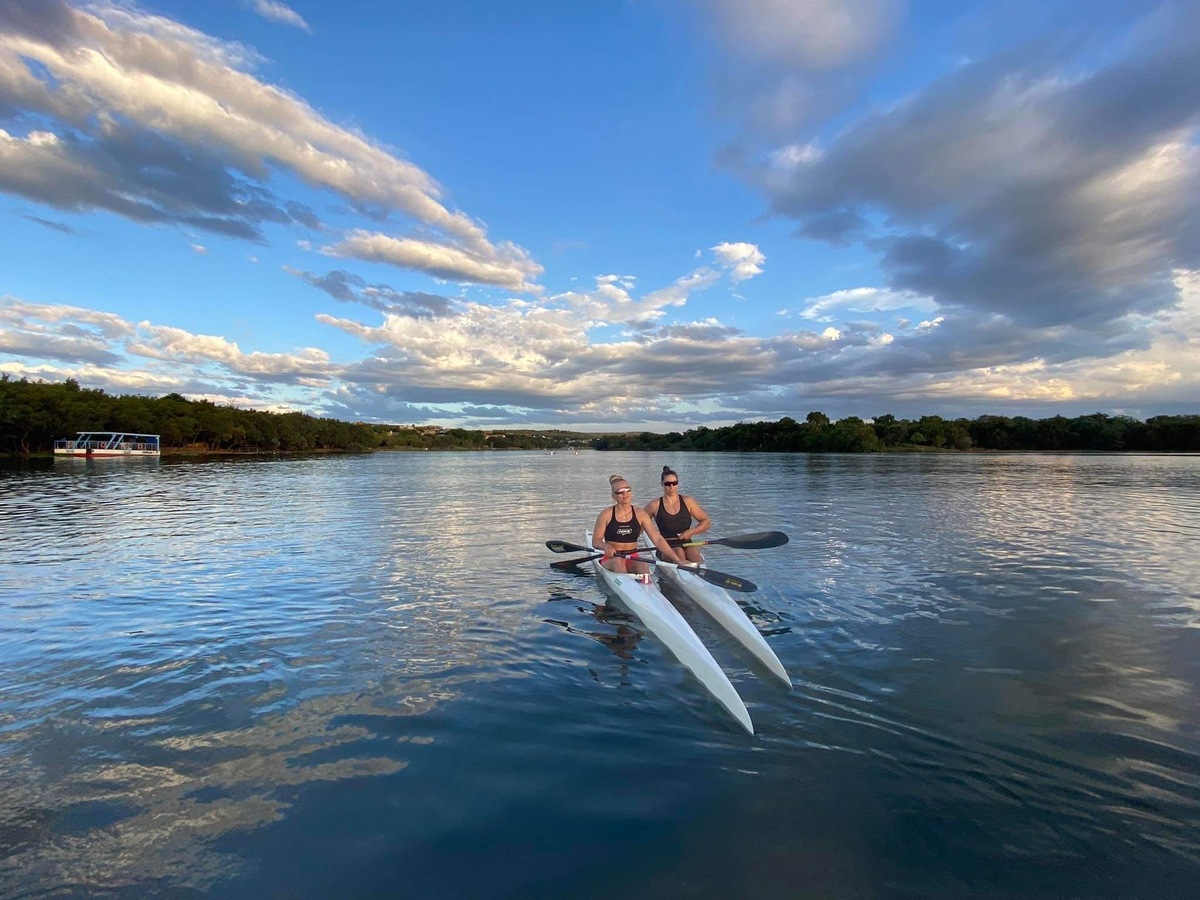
(619,526)
(674,513)
(621,640)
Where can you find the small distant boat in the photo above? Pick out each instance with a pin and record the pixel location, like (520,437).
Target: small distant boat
(103,444)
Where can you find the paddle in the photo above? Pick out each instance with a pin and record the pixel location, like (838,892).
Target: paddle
(759,541)
(564,547)
(721,579)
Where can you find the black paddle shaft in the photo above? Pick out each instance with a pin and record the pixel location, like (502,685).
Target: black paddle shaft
(720,579)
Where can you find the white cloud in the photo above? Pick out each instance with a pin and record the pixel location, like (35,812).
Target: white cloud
(163,342)
(280,12)
(551,361)
(509,267)
(863,300)
(1017,185)
(103,348)
(46,318)
(612,302)
(743,260)
(113,77)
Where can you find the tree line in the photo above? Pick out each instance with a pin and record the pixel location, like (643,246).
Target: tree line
(818,434)
(33,414)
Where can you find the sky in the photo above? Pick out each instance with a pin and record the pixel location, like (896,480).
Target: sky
(625,215)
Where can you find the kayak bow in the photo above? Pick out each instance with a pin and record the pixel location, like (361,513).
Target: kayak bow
(665,622)
(721,606)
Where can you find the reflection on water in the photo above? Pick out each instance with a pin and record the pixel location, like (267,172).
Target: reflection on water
(614,628)
(283,677)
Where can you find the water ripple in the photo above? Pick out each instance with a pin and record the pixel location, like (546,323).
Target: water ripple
(274,676)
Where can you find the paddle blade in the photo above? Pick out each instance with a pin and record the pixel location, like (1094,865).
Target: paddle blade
(758,541)
(569,564)
(722,579)
(564,547)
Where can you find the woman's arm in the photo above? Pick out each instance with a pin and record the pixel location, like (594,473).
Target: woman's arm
(598,530)
(703,522)
(658,540)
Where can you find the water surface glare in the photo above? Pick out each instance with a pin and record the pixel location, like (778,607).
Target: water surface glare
(358,677)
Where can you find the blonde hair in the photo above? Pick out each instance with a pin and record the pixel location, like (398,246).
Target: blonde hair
(613,479)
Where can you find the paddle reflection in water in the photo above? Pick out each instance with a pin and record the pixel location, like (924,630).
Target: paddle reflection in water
(619,632)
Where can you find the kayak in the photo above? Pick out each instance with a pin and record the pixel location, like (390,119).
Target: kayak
(664,621)
(717,602)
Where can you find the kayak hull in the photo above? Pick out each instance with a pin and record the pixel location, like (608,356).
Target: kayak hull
(665,622)
(717,602)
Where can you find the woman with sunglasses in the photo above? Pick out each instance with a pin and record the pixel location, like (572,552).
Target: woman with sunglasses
(619,526)
(674,514)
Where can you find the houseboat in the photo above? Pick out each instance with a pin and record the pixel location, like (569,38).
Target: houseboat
(93,444)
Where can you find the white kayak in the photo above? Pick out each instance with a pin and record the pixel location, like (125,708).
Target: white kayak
(665,622)
(717,602)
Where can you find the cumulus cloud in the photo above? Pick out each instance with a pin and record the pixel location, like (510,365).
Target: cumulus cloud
(113,173)
(743,260)
(549,356)
(1035,218)
(309,366)
(106,350)
(548,362)
(144,117)
(1010,188)
(69,320)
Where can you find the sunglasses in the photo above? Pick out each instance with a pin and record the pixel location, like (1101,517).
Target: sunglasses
(670,484)
(622,491)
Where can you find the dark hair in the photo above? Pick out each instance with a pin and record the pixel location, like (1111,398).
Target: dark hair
(667,470)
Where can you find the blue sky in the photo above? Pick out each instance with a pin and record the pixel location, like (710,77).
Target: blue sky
(652,214)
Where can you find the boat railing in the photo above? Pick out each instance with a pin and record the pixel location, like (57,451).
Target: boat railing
(80,444)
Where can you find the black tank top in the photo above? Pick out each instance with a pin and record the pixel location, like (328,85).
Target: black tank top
(622,532)
(673,525)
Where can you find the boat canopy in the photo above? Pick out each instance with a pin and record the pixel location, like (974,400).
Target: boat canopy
(115,438)
(109,443)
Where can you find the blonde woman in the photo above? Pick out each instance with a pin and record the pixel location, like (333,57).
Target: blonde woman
(619,526)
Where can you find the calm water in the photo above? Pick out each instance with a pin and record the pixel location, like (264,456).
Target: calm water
(316,678)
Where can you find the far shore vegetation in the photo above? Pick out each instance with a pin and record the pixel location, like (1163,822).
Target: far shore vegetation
(33,414)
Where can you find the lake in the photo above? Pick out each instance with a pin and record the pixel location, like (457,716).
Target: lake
(358,677)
